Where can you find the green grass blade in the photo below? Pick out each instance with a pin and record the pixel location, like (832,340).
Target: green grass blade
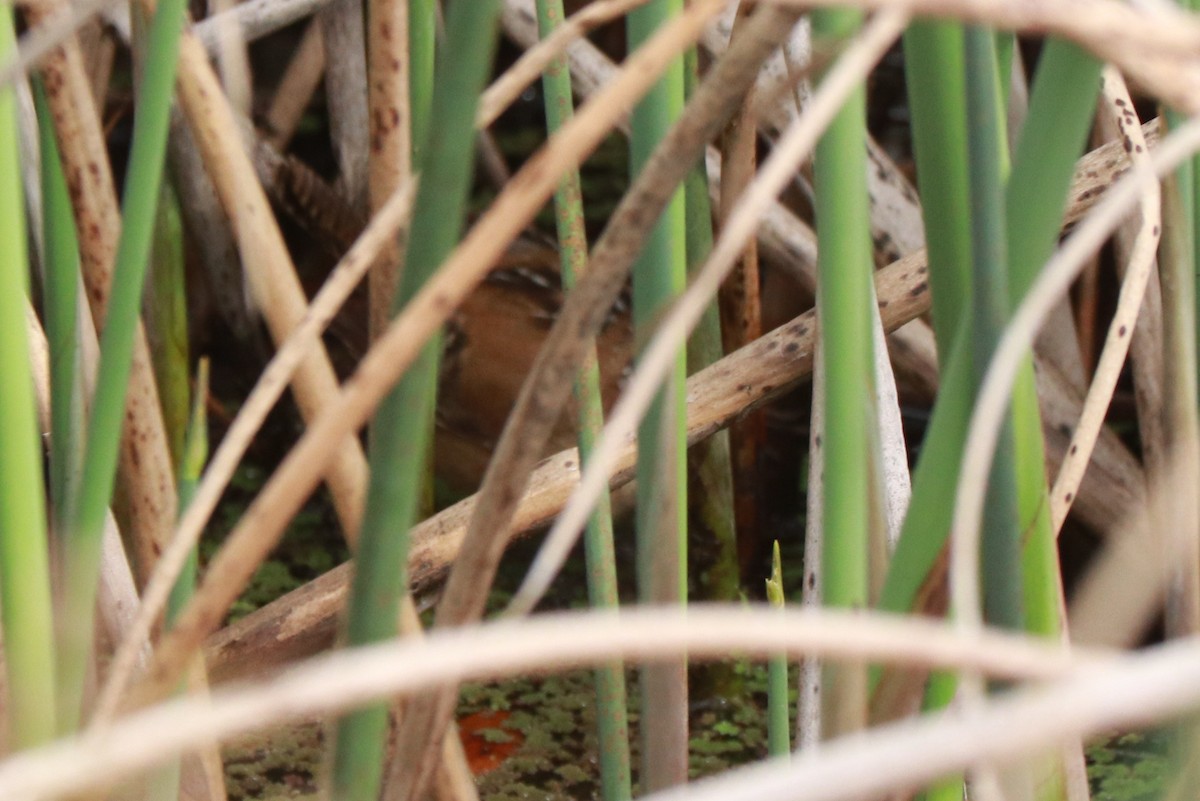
(191,464)
(400,433)
(1061,107)
(165,312)
(935,70)
(116,352)
(933,61)
(1001,539)
(61,312)
(24,557)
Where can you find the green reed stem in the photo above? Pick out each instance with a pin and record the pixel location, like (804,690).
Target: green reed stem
(422,51)
(658,276)
(612,723)
(24,558)
(83,537)
(400,432)
(844,301)
(779,741)
(711,492)
(935,70)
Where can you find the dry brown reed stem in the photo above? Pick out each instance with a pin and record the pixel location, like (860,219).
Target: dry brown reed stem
(232,58)
(1180,511)
(216,250)
(148,484)
(39,42)
(390,137)
(266,518)
(1116,346)
(259,18)
(545,390)
(558,641)
(304,621)
(266,261)
(271,384)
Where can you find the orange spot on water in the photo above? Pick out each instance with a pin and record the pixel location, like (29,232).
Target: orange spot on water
(484,754)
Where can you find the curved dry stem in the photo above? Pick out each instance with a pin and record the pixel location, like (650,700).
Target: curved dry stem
(789,152)
(1105,27)
(1129,304)
(352,677)
(1018,337)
